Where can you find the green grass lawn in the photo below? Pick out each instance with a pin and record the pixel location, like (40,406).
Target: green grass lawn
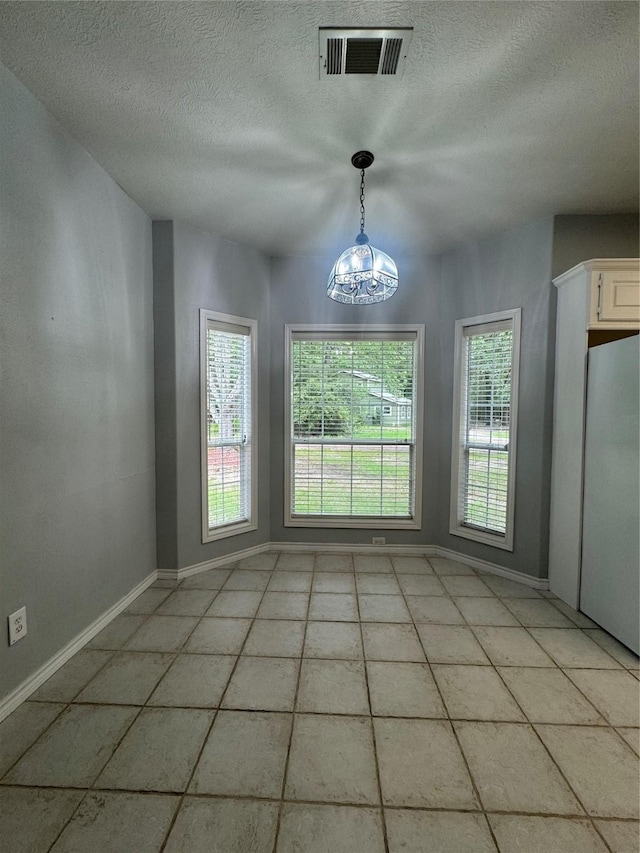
(363,480)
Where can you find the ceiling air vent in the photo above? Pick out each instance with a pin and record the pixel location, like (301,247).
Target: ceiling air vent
(363,51)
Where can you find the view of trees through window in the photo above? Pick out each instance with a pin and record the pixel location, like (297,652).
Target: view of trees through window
(353,426)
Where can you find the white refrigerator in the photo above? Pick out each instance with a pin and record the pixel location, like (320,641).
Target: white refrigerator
(610,577)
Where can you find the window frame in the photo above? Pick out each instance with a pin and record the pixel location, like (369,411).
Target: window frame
(251,446)
(353,522)
(456,524)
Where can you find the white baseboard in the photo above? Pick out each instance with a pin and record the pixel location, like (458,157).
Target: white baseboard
(493,569)
(217,562)
(10,702)
(324,548)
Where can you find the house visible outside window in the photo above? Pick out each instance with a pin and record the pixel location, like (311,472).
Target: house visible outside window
(351,459)
(487,352)
(228,424)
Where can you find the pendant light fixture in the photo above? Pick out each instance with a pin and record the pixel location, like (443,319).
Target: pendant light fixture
(362,274)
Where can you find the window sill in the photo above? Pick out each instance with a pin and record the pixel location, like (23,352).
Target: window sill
(230,530)
(495,540)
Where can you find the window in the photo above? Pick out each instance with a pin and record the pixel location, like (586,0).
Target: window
(484,429)
(349,461)
(228,425)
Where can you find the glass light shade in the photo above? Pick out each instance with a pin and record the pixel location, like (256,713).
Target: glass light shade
(362,275)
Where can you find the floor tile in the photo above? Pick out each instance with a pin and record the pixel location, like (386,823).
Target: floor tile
(631,736)
(392,642)
(65,684)
(334,582)
(372,563)
(329,829)
(262,684)
(333,640)
(486,611)
(475,693)
(290,581)
(194,681)
(412,565)
(383,608)
(332,687)
(511,647)
(332,760)
(403,690)
(523,834)
(504,588)
(275,638)
(284,605)
(187,602)
(259,562)
(600,768)
(334,563)
(448,832)
(245,755)
(371,584)
(218,636)
(421,765)
(579,619)
(443,566)
(164,583)
(162,634)
(112,822)
(237,604)
(22,728)
(547,696)
(451,644)
(435,610)
(75,748)
(621,836)
(30,819)
(513,771)
(421,585)
(295,563)
(333,607)
(615,693)
(159,751)
(148,601)
(128,679)
(223,826)
(213,579)
(537,613)
(249,580)
(117,632)
(621,653)
(572,648)
(460,585)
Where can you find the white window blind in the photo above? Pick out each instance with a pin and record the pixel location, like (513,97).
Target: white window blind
(227,425)
(352,426)
(487,384)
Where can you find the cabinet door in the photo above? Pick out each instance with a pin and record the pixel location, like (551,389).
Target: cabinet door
(619,296)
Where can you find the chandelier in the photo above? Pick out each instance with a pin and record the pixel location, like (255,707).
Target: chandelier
(362,274)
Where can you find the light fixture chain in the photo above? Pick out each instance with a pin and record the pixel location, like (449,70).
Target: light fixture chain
(362,201)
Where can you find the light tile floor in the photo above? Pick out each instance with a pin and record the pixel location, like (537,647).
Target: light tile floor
(331,703)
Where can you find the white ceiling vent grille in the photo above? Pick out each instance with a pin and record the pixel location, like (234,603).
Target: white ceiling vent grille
(363,51)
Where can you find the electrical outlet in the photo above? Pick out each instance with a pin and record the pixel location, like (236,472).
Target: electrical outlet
(378,540)
(17,625)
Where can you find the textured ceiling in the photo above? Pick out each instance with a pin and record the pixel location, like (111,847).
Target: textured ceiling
(213,112)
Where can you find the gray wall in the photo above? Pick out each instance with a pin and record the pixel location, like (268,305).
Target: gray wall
(512,270)
(77,527)
(298,295)
(580,238)
(195,270)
